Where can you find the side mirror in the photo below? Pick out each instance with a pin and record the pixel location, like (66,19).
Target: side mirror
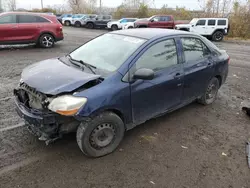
(144,74)
(152,20)
(192,25)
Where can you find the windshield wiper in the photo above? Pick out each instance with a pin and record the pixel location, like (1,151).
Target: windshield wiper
(90,67)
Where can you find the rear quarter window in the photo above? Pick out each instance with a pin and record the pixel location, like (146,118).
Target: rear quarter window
(222,22)
(41,20)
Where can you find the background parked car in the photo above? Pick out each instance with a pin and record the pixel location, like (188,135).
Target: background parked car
(115,25)
(159,21)
(76,17)
(100,21)
(131,25)
(25,28)
(67,20)
(82,22)
(214,28)
(65,16)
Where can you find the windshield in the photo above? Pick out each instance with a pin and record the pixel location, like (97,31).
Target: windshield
(150,18)
(193,21)
(107,52)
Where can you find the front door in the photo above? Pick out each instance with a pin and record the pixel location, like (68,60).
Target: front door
(150,98)
(200,27)
(198,67)
(8,28)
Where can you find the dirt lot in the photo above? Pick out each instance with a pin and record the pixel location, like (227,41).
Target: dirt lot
(182,149)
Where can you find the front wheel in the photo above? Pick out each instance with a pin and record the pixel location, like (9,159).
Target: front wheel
(130,27)
(101,135)
(211,92)
(114,27)
(90,25)
(218,36)
(67,23)
(78,24)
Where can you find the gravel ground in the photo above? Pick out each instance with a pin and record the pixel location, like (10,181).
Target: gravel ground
(196,146)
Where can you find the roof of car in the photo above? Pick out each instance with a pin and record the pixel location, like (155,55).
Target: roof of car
(148,33)
(30,13)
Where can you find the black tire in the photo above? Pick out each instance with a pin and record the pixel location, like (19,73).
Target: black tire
(114,27)
(46,41)
(130,27)
(67,23)
(90,134)
(211,92)
(218,36)
(90,25)
(78,24)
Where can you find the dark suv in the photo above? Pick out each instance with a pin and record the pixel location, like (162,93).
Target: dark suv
(99,21)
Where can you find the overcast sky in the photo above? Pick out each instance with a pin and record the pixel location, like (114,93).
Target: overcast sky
(190,4)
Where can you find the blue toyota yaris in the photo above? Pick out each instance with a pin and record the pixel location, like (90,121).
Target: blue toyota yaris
(117,81)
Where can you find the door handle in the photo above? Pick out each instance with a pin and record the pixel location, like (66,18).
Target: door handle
(209,64)
(13,27)
(178,75)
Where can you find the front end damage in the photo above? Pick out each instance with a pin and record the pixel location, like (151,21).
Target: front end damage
(32,106)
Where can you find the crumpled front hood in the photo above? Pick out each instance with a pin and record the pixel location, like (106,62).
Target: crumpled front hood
(54,77)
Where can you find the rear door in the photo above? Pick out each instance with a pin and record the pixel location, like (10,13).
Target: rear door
(8,28)
(153,97)
(210,28)
(198,67)
(29,28)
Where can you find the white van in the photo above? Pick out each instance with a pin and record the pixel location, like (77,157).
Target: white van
(215,28)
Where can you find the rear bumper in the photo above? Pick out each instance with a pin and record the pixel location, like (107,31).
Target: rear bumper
(59,39)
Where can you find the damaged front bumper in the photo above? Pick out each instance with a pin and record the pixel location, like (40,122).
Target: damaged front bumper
(48,126)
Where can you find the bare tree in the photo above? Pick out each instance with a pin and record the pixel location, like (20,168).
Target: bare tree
(11,4)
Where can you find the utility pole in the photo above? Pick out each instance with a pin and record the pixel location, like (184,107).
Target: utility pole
(1,8)
(42,4)
(100,6)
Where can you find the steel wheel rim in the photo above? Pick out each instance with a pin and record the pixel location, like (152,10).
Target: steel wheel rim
(211,92)
(47,41)
(102,136)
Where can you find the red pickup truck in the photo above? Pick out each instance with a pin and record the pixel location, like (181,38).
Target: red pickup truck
(159,21)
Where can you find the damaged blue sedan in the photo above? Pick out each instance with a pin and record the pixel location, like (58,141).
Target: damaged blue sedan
(117,81)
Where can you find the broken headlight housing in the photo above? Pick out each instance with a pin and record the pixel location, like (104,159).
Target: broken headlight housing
(67,105)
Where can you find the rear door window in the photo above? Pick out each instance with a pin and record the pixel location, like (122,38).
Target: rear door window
(211,22)
(222,22)
(27,19)
(41,20)
(194,49)
(8,19)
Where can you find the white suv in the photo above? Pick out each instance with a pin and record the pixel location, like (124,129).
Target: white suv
(215,28)
(115,25)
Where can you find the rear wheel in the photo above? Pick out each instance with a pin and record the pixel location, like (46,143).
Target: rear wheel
(101,135)
(90,25)
(211,92)
(46,41)
(218,36)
